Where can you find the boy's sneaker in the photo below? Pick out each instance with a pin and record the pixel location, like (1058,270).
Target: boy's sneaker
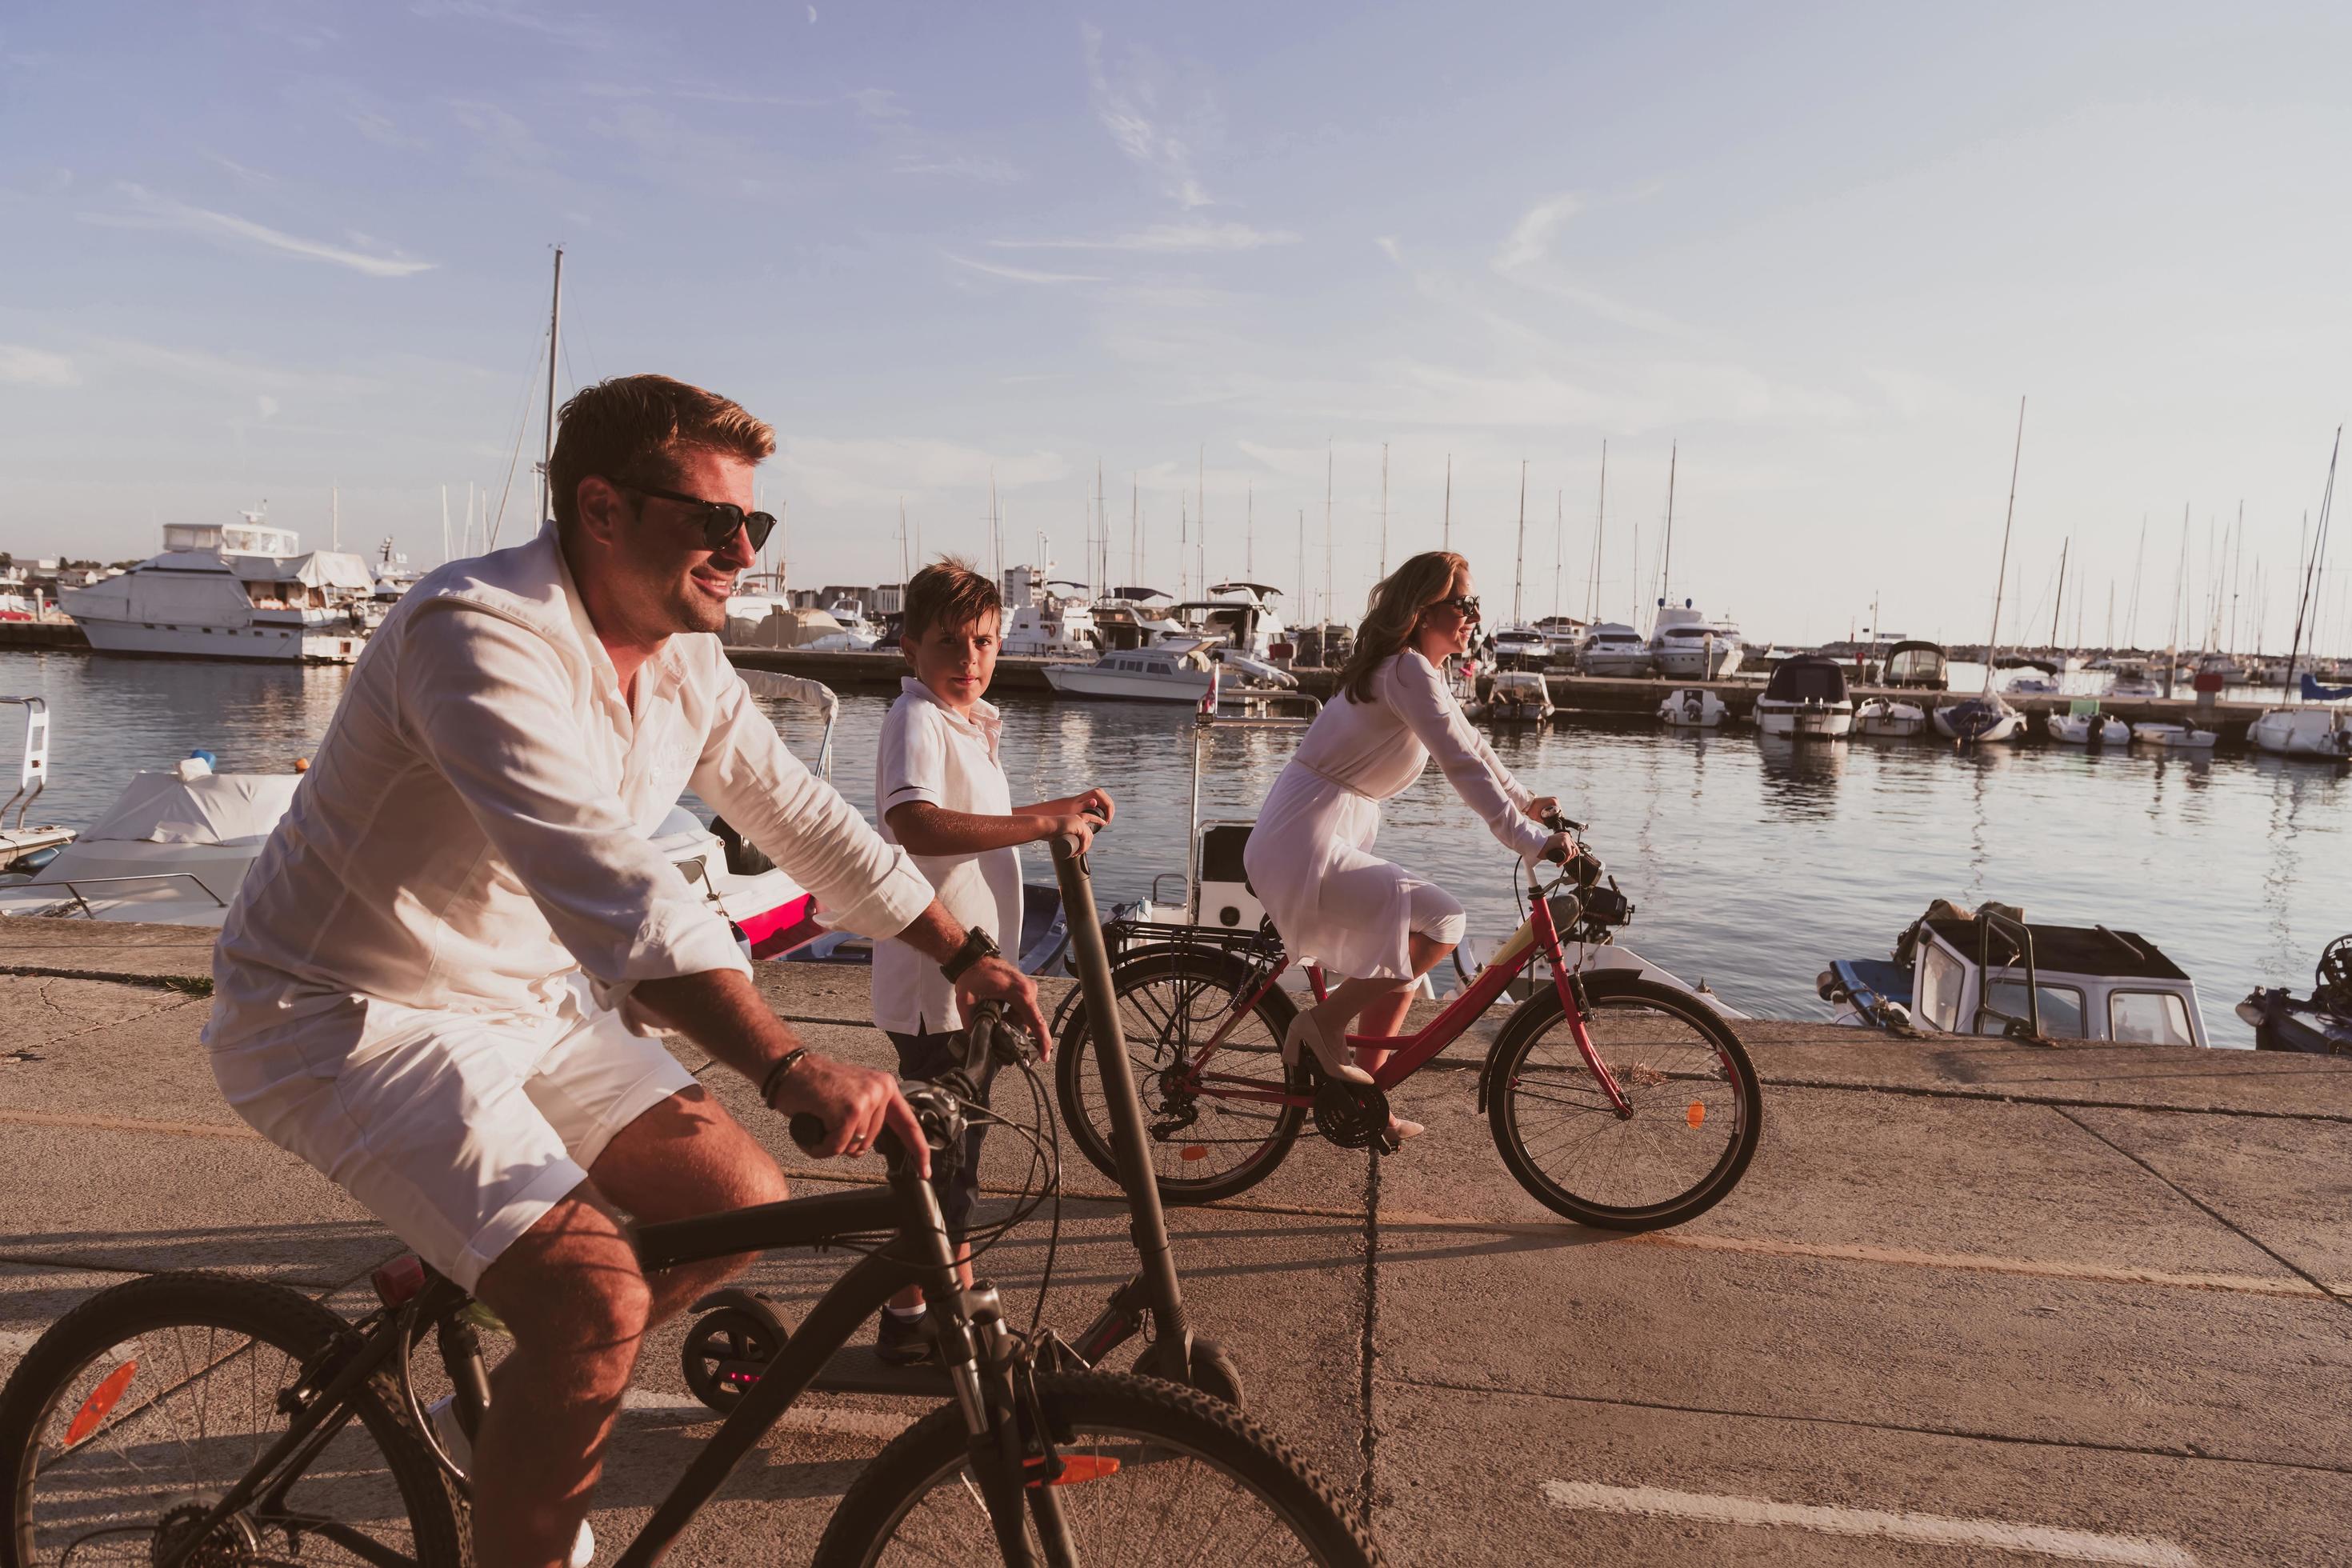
(904,1341)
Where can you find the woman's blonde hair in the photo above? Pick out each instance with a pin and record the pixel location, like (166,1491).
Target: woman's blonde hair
(1394,614)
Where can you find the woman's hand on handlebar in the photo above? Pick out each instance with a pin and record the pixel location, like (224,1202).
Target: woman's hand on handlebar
(997,980)
(1560,849)
(1544,808)
(855,1103)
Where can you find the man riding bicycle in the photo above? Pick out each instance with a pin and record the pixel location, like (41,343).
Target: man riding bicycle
(438,982)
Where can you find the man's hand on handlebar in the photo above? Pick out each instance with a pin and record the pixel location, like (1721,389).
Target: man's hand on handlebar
(855,1103)
(996,980)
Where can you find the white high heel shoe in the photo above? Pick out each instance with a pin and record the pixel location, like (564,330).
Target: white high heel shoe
(1333,1058)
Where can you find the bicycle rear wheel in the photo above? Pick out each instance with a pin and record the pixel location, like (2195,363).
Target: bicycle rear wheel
(145,1405)
(1697,1111)
(1148,1462)
(1211,1134)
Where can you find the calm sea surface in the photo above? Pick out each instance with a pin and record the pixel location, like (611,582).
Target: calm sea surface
(1751,862)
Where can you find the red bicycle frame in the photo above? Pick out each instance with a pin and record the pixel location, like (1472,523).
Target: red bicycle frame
(1410,1053)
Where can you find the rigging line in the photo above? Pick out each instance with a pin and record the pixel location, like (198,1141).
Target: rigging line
(522,427)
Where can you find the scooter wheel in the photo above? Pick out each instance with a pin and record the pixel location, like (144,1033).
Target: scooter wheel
(725,1352)
(1214,1373)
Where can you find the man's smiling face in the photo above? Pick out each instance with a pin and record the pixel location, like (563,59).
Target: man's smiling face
(674,581)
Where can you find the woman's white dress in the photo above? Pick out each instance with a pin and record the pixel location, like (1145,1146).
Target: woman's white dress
(1308,857)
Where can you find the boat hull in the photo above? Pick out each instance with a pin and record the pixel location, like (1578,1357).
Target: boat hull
(2317,732)
(251,644)
(1805,722)
(2004,728)
(1114,686)
(2173,737)
(1616,666)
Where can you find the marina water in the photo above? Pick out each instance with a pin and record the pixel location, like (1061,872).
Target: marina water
(1752,863)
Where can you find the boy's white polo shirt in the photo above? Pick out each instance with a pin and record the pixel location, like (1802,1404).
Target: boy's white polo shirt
(930,753)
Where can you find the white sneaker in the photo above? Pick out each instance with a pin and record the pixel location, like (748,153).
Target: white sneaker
(442,1414)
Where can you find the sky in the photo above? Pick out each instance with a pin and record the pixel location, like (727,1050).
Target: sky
(1811,257)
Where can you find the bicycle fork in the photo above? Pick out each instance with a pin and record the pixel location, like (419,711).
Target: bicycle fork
(1571,986)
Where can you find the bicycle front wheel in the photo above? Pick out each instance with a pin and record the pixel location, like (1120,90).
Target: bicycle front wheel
(143,1406)
(1697,1111)
(1214,1127)
(1147,1462)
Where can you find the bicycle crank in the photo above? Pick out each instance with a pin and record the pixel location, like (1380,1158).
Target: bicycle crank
(1353,1115)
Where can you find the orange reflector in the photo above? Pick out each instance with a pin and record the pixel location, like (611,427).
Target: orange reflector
(1695,1114)
(1193,1151)
(1081,1468)
(101,1400)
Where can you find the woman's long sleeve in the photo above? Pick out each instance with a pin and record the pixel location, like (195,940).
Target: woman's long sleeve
(1479,777)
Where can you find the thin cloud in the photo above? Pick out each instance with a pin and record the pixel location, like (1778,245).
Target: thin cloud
(1142,137)
(1525,259)
(989,170)
(379,130)
(161,212)
(1531,237)
(1166,238)
(1020,274)
(35,367)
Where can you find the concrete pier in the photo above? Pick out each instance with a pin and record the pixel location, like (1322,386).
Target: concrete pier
(1973,1301)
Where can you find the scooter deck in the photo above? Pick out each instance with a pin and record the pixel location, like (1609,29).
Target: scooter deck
(857,1369)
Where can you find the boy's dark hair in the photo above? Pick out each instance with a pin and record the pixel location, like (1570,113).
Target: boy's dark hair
(949,593)
(633,428)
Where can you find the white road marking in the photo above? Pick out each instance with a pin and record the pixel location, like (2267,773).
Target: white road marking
(1930,1529)
(817,1420)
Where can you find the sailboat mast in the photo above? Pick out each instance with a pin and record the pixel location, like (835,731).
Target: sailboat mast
(1327,530)
(1448,539)
(2058,600)
(1519,563)
(554,356)
(2000,579)
(1559,545)
(2311,566)
(1666,561)
(1249,531)
(1600,526)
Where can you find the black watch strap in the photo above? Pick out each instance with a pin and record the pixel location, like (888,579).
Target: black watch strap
(977,944)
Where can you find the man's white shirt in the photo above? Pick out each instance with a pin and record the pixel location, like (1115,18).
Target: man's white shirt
(476,824)
(930,753)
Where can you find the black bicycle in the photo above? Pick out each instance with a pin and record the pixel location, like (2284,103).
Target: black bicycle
(197,1420)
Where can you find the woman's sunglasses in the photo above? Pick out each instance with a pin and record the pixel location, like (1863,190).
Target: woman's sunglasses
(718,519)
(1467,605)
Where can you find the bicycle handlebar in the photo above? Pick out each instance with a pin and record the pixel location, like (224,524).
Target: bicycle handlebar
(938,1107)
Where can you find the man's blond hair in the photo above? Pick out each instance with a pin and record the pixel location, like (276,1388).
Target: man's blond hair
(632,430)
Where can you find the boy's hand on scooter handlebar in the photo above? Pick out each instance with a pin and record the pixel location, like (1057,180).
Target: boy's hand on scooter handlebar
(995,979)
(1081,826)
(1095,803)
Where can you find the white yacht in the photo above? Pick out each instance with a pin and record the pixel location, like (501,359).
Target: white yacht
(2303,732)
(242,590)
(1173,670)
(1685,645)
(1521,648)
(1807,698)
(1614,650)
(1241,614)
(1040,623)
(1126,618)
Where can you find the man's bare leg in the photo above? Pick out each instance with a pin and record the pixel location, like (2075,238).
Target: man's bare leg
(571,1291)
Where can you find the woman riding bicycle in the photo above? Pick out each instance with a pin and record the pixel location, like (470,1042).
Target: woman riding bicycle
(1308,857)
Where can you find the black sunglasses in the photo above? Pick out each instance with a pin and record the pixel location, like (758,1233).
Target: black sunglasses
(718,519)
(1467,603)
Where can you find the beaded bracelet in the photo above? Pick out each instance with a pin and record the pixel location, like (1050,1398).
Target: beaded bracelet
(777,1074)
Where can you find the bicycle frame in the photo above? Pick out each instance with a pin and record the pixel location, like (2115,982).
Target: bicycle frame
(1538,934)
(907,1209)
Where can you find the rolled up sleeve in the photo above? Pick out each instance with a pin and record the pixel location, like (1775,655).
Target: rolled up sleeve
(801,822)
(484,699)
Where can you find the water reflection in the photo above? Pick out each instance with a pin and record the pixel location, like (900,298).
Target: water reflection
(1801,776)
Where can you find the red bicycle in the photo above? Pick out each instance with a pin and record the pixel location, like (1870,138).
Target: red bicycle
(1616,1100)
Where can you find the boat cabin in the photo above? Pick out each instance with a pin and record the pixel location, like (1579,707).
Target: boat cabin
(1920,666)
(1807,678)
(1988,973)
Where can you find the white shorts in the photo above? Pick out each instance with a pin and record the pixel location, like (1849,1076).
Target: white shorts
(458,1131)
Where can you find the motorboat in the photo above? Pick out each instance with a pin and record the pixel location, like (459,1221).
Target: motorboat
(242,591)
(1992,973)
(1614,650)
(2034,685)
(1047,618)
(1693,708)
(2131,680)
(27,846)
(2091,728)
(1240,614)
(1562,634)
(2173,737)
(2325,732)
(1806,699)
(1885,718)
(1685,644)
(1126,619)
(1172,670)
(2321,1023)
(1519,697)
(1978,720)
(1521,648)
(1915,665)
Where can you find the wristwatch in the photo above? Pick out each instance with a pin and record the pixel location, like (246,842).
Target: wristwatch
(977,944)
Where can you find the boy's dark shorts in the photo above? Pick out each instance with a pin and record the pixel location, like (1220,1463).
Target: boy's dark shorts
(928,1056)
